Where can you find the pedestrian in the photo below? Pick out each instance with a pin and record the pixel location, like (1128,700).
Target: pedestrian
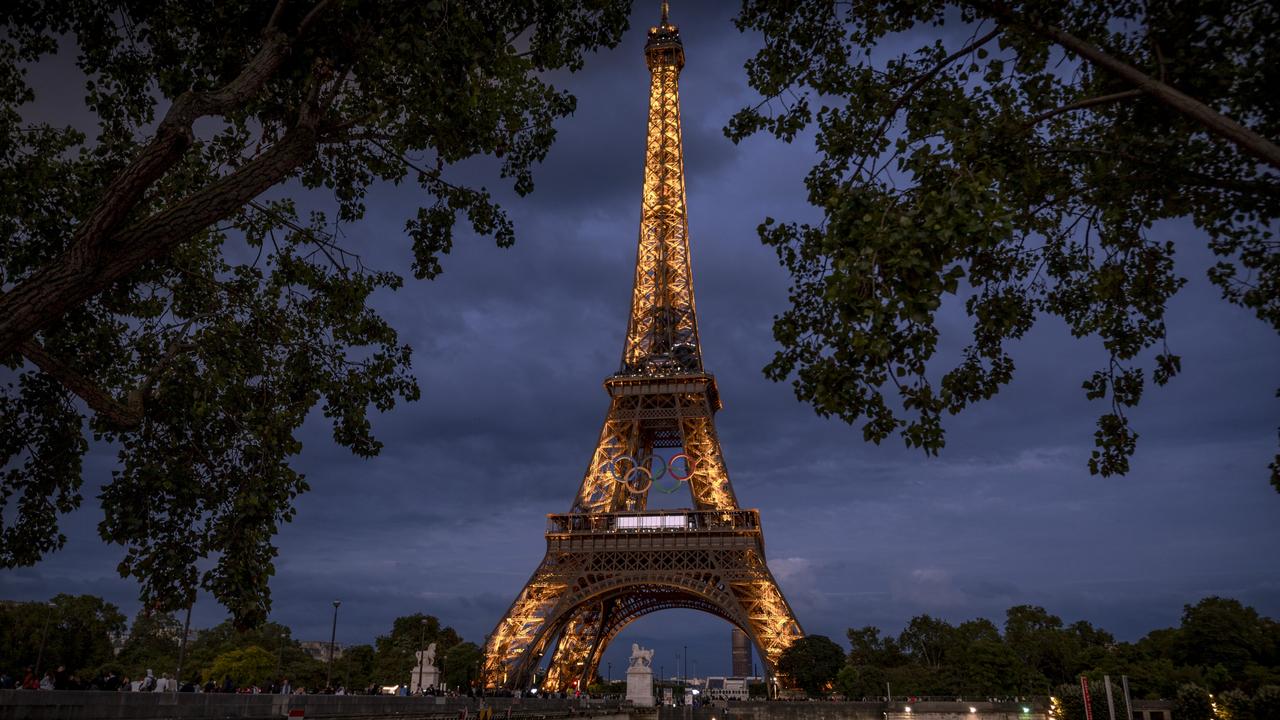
(46,682)
(148,683)
(30,681)
(111,682)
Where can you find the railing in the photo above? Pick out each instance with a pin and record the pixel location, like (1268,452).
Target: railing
(660,521)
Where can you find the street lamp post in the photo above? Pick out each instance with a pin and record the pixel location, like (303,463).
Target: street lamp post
(182,649)
(333,635)
(422,644)
(610,671)
(44,633)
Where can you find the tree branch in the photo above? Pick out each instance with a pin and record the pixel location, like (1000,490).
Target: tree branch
(119,415)
(1213,121)
(173,137)
(1081,105)
(82,272)
(932,72)
(103,250)
(923,79)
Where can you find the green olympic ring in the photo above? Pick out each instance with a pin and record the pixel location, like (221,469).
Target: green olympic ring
(631,478)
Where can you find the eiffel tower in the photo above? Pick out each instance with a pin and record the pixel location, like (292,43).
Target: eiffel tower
(609,561)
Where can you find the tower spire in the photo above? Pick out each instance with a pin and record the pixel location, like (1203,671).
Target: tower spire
(662,331)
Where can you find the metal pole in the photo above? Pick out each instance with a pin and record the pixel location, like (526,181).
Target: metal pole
(333,635)
(686,664)
(1111,704)
(422,643)
(888,692)
(1128,707)
(43,635)
(182,649)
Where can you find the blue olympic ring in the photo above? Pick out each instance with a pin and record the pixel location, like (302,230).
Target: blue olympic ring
(637,485)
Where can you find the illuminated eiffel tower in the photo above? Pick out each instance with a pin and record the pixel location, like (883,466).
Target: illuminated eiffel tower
(609,561)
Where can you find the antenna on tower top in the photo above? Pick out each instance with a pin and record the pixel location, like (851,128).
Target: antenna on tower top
(664,12)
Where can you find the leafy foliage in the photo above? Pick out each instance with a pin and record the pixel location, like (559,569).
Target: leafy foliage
(811,663)
(409,634)
(288,659)
(243,667)
(1037,653)
(461,664)
(147,281)
(1192,702)
(75,630)
(154,642)
(991,168)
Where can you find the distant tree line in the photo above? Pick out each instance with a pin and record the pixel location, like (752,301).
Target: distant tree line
(1221,647)
(78,632)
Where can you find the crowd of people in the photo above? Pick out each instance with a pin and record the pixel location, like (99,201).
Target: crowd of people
(60,679)
(109,681)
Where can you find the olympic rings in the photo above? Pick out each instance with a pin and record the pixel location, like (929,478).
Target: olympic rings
(638,486)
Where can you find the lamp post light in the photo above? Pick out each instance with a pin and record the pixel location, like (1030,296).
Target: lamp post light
(610,671)
(333,635)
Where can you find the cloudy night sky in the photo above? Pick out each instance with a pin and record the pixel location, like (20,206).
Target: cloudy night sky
(511,346)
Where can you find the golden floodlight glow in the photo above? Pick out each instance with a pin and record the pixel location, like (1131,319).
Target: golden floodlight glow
(608,561)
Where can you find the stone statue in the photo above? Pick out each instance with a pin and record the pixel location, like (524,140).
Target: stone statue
(425,674)
(426,659)
(640,657)
(640,677)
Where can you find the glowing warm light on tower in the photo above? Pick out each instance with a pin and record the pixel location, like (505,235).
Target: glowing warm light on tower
(609,561)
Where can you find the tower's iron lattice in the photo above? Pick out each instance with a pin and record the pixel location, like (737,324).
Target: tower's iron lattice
(609,561)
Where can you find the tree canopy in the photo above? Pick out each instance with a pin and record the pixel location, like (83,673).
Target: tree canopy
(1220,646)
(811,662)
(1013,161)
(74,631)
(154,298)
